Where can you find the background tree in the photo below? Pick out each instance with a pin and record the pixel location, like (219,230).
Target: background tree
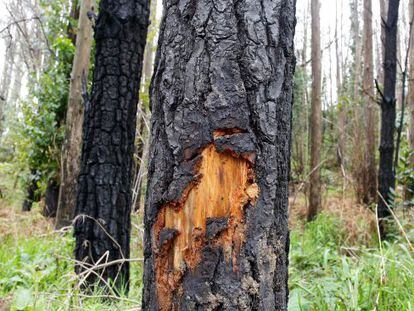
(410,191)
(103,222)
(315,201)
(386,178)
(370,184)
(72,144)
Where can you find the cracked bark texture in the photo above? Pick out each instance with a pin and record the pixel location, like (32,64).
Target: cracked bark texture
(222,86)
(104,195)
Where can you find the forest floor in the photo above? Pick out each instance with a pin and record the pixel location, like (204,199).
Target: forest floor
(336,262)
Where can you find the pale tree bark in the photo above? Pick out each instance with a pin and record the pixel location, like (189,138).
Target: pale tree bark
(341,103)
(383,12)
(315,188)
(358,150)
(370,190)
(72,145)
(6,78)
(16,88)
(410,190)
(216,235)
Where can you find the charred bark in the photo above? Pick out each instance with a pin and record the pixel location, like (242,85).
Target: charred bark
(32,194)
(102,226)
(51,200)
(386,178)
(216,222)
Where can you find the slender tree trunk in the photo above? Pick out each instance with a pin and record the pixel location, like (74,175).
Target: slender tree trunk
(384,13)
(143,114)
(216,225)
(6,79)
(31,192)
(16,86)
(386,180)
(72,145)
(341,106)
(358,151)
(315,190)
(370,191)
(51,199)
(74,16)
(103,222)
(410,188)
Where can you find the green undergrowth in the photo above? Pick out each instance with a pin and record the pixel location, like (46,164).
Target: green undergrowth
(36,272)
(327,274)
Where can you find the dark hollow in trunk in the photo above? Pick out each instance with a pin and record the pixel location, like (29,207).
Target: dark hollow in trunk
(386,177)
(102,227)
(216,213)
(51,200)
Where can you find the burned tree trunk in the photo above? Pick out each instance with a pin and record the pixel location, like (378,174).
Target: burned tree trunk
(72,145)
(102,226)
(386,177)
(32,194)
(216,223)
(51,199)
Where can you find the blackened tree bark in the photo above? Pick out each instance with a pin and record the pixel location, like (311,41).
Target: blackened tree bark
(51,199)
(102,226)
(386,178)
(216,222)
(31,192)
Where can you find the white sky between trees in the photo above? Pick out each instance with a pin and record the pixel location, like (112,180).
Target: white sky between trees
(328,20)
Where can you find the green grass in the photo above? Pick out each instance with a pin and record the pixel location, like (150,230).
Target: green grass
(327,275)
(36,272)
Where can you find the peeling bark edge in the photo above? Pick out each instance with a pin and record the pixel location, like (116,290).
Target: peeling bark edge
(222,65)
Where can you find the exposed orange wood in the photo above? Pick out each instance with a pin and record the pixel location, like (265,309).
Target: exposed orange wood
(226,184)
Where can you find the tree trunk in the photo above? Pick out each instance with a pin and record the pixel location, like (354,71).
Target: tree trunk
(72,145)
(51,200)
(315,190)
(410,189)
(386,180)
(341,103)
(383,12)
(370,191)
(31,192)
(73,17)
(143,115)
(9,62)
(358,152)
(103,222)
(216,223)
